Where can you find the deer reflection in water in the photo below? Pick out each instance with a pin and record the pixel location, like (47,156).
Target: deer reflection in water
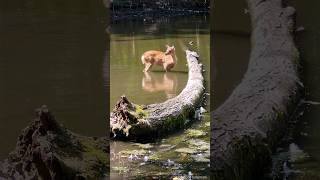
(166,82)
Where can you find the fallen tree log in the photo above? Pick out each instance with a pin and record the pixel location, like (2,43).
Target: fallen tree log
(132,121)
(46,150)
(249,124)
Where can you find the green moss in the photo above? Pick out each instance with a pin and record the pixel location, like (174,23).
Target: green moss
(194,133)
(94,158)
(198,144)
(120,169)
(90,161)
(140,113)
(174,122)
(93,152)
(201,158)
(207,124)
(179,148)
(155,157)
(177,122)
(186,150)
(140,152)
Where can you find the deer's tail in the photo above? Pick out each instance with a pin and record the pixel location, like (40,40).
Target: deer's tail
(142,59)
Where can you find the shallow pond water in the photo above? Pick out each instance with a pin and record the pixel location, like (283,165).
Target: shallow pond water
(52,53)
(186,152)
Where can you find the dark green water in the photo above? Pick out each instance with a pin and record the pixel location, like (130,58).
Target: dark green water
(231,48)
(129,40)
(307,136)
(52,53)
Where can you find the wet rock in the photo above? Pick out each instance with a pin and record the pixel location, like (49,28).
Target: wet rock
(140,152)
(296,154)
(144,146)
(195,133)
(207,124)
(120,169)
(198,144)
(186,150)
(201,158)
(166,147)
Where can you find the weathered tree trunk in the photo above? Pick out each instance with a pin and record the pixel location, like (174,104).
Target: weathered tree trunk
(133,121)
(46,150)
(246,128)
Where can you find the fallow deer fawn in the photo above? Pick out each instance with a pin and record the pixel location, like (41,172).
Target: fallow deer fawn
(165,59)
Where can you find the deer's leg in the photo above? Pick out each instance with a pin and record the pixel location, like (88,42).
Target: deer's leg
(169,66)
(147,76)
(147,67)
(165,67)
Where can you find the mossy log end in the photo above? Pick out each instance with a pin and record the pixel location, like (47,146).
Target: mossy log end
(132,121)
(246,128)
(46,150)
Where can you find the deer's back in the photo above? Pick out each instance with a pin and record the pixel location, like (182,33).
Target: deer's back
(154,56)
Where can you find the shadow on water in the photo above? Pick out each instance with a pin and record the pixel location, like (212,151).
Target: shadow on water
(231,55)
(231,48)
(305,149)
(157,28)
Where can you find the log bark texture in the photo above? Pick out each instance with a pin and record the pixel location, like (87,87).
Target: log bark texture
(133,121)
(246,128)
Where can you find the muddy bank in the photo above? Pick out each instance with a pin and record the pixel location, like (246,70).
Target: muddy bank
(46,150)
(248,125)
(132,121)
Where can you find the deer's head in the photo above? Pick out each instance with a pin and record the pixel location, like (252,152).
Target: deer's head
(170,50)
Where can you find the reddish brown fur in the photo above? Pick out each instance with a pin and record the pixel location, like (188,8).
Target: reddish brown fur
(165,59)
(167,84)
